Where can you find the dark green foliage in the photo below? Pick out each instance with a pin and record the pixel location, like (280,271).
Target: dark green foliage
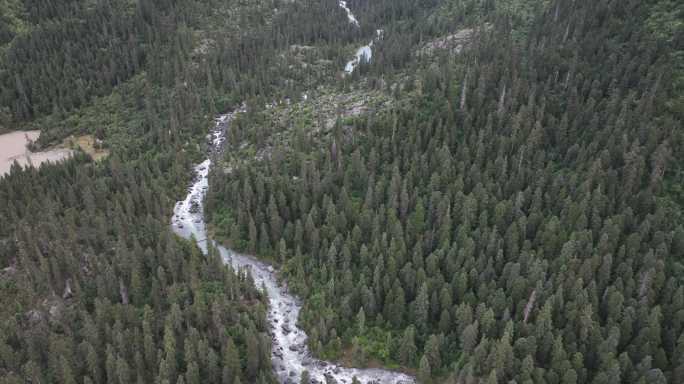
(505,222)
(98,287)
(95,287)
(515,215)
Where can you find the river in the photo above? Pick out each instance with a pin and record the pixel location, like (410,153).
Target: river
(290,354)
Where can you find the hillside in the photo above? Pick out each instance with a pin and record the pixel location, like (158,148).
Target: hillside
(507,214)
(495,195)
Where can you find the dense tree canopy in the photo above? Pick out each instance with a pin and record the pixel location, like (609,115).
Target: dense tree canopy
(513,213)
(505,221)
(98,290)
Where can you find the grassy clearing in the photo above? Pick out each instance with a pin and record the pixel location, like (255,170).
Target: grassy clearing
(88,144)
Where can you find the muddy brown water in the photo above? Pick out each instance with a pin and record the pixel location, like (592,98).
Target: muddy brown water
(13,147)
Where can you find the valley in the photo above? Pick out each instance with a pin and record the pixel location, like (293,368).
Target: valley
(341,192)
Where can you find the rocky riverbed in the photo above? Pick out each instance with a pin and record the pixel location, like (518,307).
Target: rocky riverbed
(290,353)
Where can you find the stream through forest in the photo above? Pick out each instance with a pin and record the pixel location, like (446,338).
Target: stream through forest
(290,354)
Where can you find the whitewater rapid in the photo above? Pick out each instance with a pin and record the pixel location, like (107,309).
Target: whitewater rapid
(290,354)
(350,15)
(364,53)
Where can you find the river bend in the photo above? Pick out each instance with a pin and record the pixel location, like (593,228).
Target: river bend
(290,354)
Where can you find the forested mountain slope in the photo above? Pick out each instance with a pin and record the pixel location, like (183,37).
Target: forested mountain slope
(508,211)
(94,286)
(512,215)
(98,290)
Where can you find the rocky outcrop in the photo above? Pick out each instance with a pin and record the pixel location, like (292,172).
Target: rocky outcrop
(454,43)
